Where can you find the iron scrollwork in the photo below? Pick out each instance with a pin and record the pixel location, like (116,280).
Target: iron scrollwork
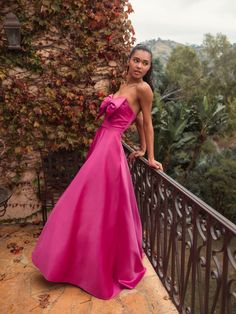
(191,246)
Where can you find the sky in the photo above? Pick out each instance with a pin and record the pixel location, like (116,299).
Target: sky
(184,21)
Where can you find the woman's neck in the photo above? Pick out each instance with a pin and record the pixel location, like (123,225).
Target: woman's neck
(130,81)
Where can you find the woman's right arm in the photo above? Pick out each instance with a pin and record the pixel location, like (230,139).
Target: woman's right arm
(142,141)
(139,126)
(145,97)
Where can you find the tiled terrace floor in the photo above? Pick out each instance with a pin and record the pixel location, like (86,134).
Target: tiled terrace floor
(24,290)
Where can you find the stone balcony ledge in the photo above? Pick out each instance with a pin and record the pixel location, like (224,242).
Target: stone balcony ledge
(24,290)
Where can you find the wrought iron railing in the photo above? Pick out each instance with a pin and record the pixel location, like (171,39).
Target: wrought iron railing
(191,246)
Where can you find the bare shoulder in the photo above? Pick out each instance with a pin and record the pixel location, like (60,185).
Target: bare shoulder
(144,92)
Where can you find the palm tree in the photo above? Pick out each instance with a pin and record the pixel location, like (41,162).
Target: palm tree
(180,131)
(170,132)
(209,119)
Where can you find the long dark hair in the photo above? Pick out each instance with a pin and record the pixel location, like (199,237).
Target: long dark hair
(148,76)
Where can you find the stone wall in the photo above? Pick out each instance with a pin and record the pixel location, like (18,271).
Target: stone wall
(24,205)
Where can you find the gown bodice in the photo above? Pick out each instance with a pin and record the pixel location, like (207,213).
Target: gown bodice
(118,113)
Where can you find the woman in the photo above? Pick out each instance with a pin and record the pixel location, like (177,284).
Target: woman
(138,91)
(93,236)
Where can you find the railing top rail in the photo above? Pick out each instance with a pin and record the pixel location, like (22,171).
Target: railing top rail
(211,211)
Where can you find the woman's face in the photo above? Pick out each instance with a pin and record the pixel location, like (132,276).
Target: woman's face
(139,64)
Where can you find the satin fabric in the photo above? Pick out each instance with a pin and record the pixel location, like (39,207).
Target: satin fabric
(93,236)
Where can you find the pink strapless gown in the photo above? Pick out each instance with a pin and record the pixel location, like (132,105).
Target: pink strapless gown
(93,235)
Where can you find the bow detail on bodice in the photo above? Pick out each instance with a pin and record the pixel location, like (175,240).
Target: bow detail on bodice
(110,105)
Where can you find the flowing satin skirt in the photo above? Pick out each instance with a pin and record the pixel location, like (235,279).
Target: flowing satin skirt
(93,236)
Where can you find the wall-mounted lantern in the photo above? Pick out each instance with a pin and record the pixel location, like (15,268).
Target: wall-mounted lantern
(12,29)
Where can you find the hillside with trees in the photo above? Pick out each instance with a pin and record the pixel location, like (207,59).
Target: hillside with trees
(162,48)
(194,116)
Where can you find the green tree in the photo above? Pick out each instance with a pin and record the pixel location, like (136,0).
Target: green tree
(184,73)
(170,123)
(207,119)
(159,78)
(232,118)
(181,131)
(214,180)
(219,66)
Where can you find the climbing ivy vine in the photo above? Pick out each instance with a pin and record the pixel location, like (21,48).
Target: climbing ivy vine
(47,95)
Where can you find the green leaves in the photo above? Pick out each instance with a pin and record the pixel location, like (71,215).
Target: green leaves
(181,128)
(211,117)
(213,179)
(219,67)
(171,132)
(184,71)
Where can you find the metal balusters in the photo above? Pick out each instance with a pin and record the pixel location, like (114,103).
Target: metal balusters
(191,246)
